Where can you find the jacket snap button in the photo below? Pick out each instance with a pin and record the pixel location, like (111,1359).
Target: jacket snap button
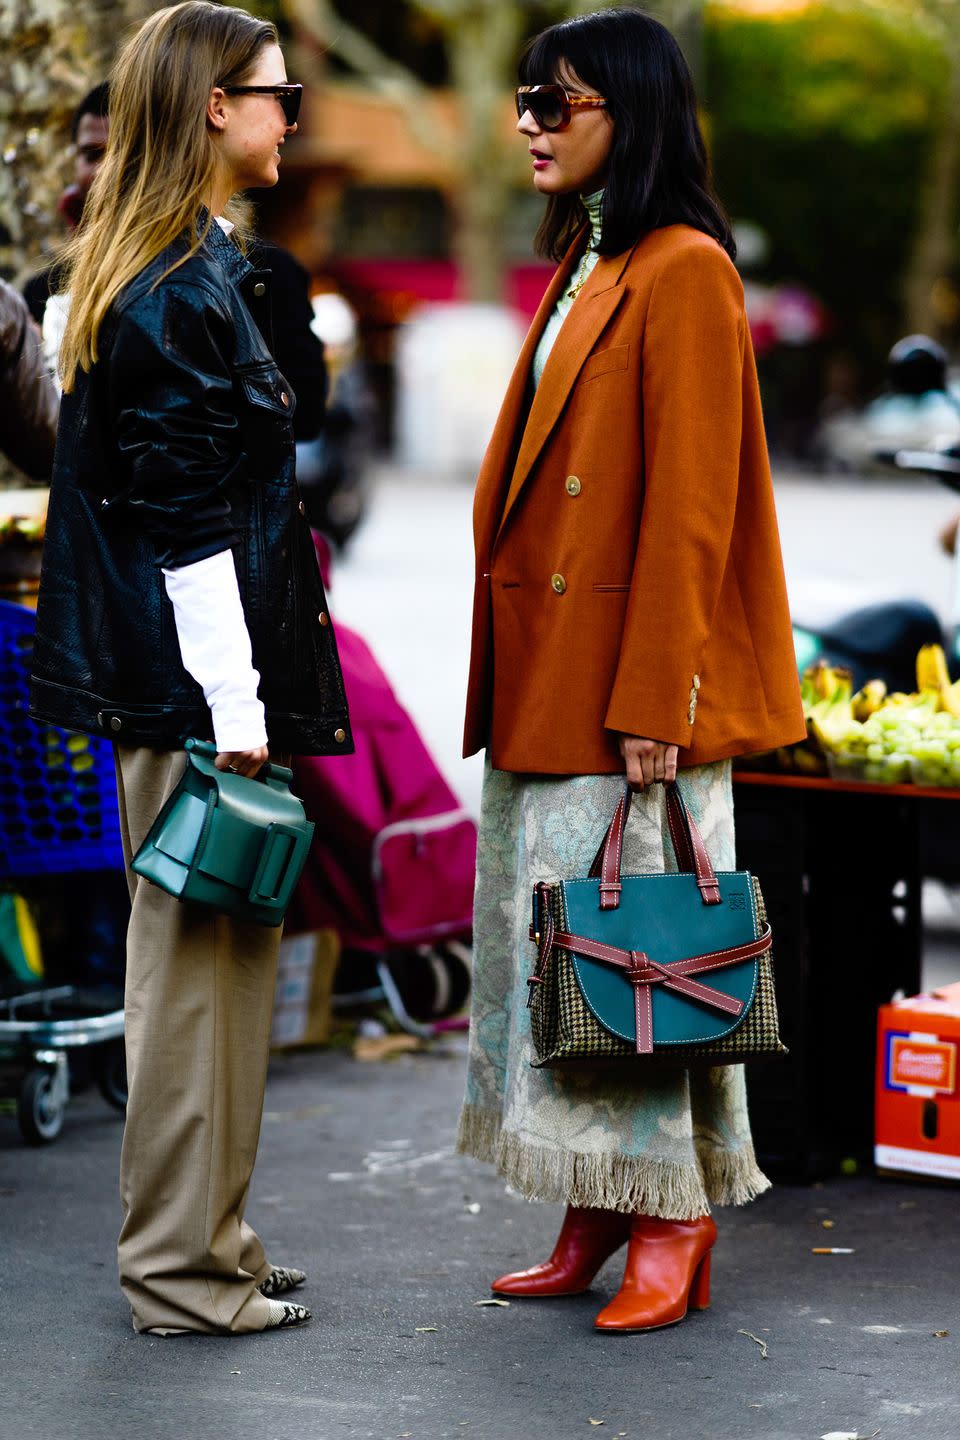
(100,717)
(116,723)
(259,289)
(558,583)
(302,508)
(324,618)
(340,736)
(573,485)
(284,398)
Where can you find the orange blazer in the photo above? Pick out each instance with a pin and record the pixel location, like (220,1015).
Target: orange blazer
(629,575)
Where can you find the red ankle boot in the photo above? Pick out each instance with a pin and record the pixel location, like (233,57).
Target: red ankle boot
(667,1272)
(587,1238)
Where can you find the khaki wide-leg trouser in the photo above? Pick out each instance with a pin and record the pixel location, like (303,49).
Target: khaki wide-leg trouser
(199,1001)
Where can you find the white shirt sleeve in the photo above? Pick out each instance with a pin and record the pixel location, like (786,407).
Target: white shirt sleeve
(215,648)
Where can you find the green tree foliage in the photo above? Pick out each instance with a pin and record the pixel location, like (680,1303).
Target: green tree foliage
(821,126)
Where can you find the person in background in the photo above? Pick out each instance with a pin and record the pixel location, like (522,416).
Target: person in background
(28,398)
(630,618)
(180,597)
(88,134)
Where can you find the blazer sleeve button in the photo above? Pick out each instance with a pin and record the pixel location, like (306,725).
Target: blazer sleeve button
(558,583)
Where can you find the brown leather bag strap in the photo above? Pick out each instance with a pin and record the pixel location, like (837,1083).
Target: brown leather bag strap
(687,826)
(687,842)
(644,972)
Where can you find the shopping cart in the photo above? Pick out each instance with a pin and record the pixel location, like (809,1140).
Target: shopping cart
(58,818)
(39,1031)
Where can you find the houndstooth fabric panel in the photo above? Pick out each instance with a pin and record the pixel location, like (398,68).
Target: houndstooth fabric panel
(565,1029)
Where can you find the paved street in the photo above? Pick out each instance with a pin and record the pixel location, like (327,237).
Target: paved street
(358,1184)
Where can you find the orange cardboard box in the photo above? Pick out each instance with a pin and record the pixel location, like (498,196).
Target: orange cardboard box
(917,1125)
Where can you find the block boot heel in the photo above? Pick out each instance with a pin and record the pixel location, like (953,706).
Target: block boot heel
(587,1239)
(667,1273)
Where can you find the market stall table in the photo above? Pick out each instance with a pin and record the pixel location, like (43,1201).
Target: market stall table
(841,866)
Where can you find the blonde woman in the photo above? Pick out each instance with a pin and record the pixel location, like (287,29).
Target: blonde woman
(180,596)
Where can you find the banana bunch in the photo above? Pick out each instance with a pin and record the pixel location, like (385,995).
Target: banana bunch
(932,674)
(827,694)
(881,737)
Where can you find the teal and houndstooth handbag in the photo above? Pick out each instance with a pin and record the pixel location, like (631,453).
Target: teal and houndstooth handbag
(670,967)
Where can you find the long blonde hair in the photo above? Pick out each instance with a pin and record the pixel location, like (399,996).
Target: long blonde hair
(160,163)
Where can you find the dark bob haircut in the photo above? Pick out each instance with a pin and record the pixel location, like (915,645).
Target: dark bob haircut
(658,172)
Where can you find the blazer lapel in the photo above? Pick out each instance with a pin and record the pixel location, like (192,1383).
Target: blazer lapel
(501,451)
(578,334)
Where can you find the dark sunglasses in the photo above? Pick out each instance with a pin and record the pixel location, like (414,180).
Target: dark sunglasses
(288,95)
(552,106)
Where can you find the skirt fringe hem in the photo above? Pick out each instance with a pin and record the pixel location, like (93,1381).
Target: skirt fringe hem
(661,1188)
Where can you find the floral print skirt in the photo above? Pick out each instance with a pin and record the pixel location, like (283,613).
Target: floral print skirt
(668,1141)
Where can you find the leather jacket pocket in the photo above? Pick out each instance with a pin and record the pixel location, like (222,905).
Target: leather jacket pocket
(265,388)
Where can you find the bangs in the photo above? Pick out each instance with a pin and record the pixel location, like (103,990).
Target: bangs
(566,44)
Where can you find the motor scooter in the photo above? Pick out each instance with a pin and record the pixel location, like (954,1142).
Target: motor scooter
(881,641)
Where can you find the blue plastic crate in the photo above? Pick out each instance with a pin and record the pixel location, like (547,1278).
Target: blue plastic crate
(58,790)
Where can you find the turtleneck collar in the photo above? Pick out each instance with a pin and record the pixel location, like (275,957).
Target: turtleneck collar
(593,204)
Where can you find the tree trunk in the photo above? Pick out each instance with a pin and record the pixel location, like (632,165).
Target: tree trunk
(493,32)
(935,246)
(51,53)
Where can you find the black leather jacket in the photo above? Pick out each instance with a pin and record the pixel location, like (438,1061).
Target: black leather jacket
(175,446)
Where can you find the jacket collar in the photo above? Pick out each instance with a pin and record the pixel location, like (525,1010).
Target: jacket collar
(582,328)
(227,254)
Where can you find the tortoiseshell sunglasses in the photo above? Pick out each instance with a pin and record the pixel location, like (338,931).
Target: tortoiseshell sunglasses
(552,106)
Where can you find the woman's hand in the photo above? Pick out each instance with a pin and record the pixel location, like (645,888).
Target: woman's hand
(649,762)
(244,762)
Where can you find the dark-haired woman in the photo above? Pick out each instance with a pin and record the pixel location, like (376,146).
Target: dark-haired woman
(630,617)
(180,596)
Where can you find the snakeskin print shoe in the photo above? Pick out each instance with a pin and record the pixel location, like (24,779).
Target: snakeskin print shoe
(283,1314)
(281,1280)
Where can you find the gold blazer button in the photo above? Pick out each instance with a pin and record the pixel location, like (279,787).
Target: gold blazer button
(573,485)
(558,583)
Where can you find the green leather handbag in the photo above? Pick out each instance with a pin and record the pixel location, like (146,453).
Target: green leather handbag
(670,966)
(224,840)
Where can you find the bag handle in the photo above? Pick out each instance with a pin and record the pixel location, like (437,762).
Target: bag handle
(687,843)
(206,750)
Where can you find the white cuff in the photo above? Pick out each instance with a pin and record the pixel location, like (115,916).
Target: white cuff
(215,648)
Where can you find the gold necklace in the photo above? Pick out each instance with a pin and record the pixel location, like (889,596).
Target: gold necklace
(581,279)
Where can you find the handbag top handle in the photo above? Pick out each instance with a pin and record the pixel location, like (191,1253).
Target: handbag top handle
(687,842)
